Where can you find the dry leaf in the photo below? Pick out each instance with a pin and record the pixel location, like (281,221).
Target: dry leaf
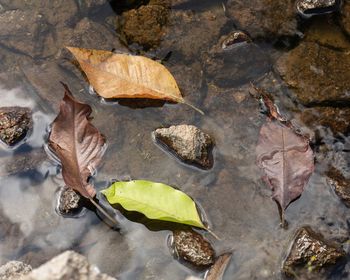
(216,272)
(126,76)
(77,143)
(287,161)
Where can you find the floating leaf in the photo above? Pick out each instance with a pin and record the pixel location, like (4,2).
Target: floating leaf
(287,161)
(77,143)
(154,200)
(127,76)
(216,272)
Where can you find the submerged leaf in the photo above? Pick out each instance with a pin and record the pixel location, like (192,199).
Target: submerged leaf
(126,76)
(217,271)
(77,143)
(154,200)
(287,161)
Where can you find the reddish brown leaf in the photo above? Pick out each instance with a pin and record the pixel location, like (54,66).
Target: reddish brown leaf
(287,161)
(77,143)
(216,272)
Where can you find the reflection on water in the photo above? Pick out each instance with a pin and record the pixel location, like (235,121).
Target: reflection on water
(234,197)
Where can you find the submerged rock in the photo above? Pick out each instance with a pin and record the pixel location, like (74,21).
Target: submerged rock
(311,253)
(13,270)
(234,60)
(345,17)
(188,142)
(309,8)
(336,119)
(317,74)
(68,265)
(264,18)
(340,184)
(15,122)
(193,248)
(69,201)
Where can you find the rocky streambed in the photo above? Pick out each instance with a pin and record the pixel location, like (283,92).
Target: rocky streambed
(220,53)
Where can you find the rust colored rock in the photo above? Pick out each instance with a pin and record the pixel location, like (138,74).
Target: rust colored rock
(15,123)
(193,248)
(311,253)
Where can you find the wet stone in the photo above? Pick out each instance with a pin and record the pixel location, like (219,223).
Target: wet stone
(340,184)
(235,60)
(69,201)
(188,143)
(144,26)
(309,8)
(193,248)
(316,74)
(264,18)
(335,119)
(68,265)
(15,122)
(13,270)
(311,253)
(345,17)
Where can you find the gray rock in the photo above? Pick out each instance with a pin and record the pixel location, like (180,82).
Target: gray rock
(316,74)
(309,8)
(234,60)
(193,248)
(68,265)
(13,270)
(69,201)
(264,18)
(187,142)
(15,123)
(311,253)
(340,185)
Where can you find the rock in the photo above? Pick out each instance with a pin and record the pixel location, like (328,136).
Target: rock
(308,8)
(264,18)
(188,142)
(193,248)
(144,26)
(340,184)
(345,17)
(15,123)
(235,60)
(317,75)
(68,265)
(336,119)
(310,252)
(13,270)
(69,201)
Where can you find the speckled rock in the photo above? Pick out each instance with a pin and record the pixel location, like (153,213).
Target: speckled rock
(69,201)
(336,119)
(345,16)
(144,26)
(68,265)
(264,18)
(310,253)
(188,143)
(309,8)
(316,74)
(15,123)
(193,248)
(234,60)
(340,185)
(13,270)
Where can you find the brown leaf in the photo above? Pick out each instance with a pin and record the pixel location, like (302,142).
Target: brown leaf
(216,272)
(287,161)
(77,143)
(127,76)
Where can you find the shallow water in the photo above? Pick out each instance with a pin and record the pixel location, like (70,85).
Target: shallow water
(235,200)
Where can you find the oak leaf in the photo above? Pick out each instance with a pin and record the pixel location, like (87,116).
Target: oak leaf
(77,143)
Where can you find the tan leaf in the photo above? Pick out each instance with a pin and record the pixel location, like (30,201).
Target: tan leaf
(127,76)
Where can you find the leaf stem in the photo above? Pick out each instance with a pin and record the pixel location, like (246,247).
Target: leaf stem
(104,212)
(213,234)
(193,107)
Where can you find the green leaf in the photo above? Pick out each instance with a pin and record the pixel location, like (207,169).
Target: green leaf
(154,200)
